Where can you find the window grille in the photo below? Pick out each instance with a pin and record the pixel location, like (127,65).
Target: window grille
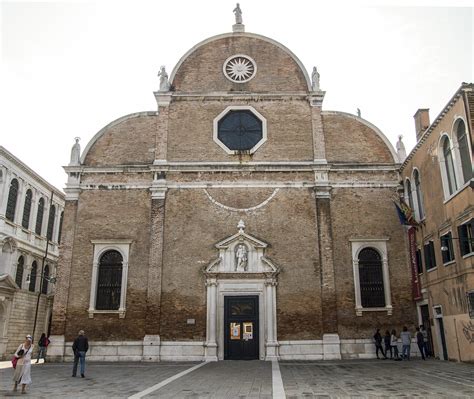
(430,258)
(447,251)
(27,209)
(109,283)
(19,271)
(11,202)
(39,216)
(371,279)
(34,271)
(52,213)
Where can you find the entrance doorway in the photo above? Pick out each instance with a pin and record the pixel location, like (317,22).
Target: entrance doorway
(241,328)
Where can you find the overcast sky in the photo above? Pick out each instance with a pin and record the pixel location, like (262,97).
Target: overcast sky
(68,68)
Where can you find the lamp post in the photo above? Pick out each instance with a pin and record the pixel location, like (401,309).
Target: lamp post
(445,248)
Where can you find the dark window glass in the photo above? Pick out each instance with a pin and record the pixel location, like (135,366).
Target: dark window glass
(466,162)
(109,283)
(447,251)
(60,227)
(27,209)
(39,216)
(19,271)
(430,259)
(52,214)
(410,196)
(419,263)
(470,303)
(44,281)
(449,166)
(371,279)
(34,271)
(466,237)
(11,203)
(240,130)
(419,195)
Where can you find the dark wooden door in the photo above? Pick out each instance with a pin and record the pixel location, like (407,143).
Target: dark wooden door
(241,328)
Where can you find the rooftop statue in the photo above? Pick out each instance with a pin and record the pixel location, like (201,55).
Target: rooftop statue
(315,80)
(238,14)
(76,153)
(164,83)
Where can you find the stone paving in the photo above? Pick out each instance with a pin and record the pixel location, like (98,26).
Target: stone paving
(251,379)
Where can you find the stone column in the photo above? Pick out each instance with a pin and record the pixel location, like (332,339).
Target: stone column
(152,341)
(66,256)
(211,333)
(271,344)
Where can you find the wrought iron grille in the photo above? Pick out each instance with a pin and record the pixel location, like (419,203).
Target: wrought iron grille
(109,284)
(372,293)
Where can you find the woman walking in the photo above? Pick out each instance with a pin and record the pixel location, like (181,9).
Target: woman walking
(22,374)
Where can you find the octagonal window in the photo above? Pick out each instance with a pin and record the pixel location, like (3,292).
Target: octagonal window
(240,129)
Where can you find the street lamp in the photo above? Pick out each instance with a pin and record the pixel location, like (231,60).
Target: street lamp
(445,248)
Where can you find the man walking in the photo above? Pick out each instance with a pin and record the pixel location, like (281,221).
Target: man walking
(406,343)
(80,347)
(420,342)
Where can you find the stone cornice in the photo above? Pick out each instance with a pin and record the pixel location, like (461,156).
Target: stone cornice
(464,88)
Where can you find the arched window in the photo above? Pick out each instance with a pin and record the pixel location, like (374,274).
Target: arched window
(27,209)
(464,153)
(109,284)
(34,272)
(52,214)
(419,195)
(39,216)
(409,195)
(449,167)
(60,227)
(372,293)
(19,271)
(44,281)
(11,203)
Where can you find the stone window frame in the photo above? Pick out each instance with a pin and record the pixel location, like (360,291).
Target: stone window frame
(445,176)
(239,108)
(379,244)
(462,181)
(100,247)
(418,197)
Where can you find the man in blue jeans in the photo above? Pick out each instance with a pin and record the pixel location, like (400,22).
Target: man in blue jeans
(80,347)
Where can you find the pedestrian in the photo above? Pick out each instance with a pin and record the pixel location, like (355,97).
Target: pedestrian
(80,347)
(394,344)
(425,340)
(406,342)
(388,346)
(42,345)
(420,343)
(378,344)
(22,373)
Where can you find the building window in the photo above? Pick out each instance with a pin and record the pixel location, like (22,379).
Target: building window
(12,198)
(409,194)
(466,238)
(449,166)
(109,277)
(447,251)
(371,276)
(19,271)
(60,227)
(419,195)
(34,272)
(39,216)
(430,258)
(25,222)
(464,152)
(419,262)
(44,281)
(52,214)
(371,279)
(470,303)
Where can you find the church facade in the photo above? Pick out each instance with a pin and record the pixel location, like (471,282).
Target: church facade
(238,221)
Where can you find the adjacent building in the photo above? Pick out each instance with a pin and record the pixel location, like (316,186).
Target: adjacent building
(31,212)
(239,220)
(438,182)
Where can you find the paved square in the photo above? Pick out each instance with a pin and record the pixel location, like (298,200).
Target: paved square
(250,379)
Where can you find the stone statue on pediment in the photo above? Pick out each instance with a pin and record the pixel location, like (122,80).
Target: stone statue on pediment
(164,82)
(76,153)
(238,14)
(315,80)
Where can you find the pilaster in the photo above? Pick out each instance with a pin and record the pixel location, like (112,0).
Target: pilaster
(162,127)
(319,145)
(211,344)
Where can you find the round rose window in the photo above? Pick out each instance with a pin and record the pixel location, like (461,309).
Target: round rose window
(239,68)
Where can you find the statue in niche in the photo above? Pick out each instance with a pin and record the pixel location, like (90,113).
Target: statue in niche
(241,259)
(164,83)
(76,153)
(238,14)
(315,79)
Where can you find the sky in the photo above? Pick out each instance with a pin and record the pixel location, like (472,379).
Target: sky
(69,68)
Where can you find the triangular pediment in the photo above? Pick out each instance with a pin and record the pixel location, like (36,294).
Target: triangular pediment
(7,284)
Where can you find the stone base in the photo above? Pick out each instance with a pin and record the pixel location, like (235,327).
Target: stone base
(56,348)
(272,352)
(151,348)
(210,352)
(331,347)
(238,28)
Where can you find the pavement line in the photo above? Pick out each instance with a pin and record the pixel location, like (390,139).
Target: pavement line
(166,382)
(277,383)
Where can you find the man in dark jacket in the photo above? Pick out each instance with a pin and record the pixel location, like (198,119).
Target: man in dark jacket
(80,347)
(378,344)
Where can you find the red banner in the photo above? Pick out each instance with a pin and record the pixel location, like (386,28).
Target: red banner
(415,279)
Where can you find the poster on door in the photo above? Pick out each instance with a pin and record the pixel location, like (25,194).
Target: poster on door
(248,331)
(234,330)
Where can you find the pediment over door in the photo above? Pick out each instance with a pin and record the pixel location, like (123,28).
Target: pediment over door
(240,254)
